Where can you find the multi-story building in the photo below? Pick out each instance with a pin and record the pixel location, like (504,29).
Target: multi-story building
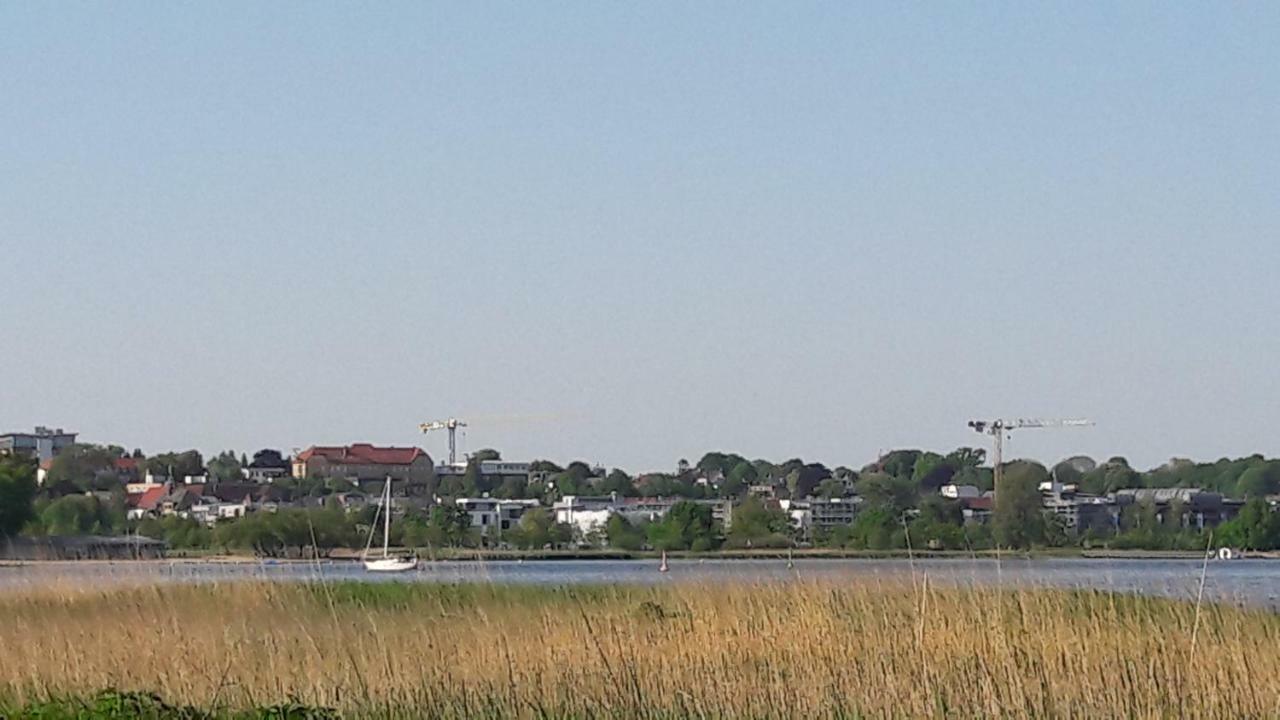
(653,509)
(820,514)
(1199,508)
(494,472)
(43,444)
(493,516)
(368,466)
(1080,512)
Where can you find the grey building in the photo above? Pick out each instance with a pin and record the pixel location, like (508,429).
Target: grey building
(43,444)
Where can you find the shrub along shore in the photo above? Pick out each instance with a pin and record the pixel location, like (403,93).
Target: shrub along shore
(818,649)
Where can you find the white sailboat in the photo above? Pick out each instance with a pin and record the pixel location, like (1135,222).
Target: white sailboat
(388,562)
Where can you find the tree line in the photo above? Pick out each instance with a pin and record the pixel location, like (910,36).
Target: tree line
(900,505)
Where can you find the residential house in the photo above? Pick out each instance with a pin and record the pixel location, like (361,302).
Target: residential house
(210,510)
(254,495)
(977,510)
(179,500)
(146,503)
(268,466)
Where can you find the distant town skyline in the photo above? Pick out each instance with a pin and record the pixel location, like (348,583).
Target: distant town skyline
(631,233)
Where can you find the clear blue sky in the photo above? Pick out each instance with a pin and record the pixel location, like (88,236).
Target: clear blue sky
(634,232)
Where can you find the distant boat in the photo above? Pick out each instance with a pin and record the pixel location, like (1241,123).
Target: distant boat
(1226,553)
(388,562)
(664,567)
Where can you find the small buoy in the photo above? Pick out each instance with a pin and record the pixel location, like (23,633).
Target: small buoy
(664,567)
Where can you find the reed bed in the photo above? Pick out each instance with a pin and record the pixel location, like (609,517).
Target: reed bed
(801,649)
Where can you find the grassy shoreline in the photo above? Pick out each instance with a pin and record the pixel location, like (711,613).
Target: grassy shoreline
(892,648)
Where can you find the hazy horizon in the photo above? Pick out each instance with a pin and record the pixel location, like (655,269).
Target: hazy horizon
(633,233)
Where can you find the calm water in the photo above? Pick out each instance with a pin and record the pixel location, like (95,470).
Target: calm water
(1253,582)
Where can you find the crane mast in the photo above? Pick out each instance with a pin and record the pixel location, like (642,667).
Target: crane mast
(997,429)
(452,425)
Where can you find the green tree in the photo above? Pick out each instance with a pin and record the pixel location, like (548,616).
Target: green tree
(831,488)
(1259,480)
(686,526)
(874,528)
(804,480)
(513,487)
(485,455)
(900,463)
(225,467)
(178,465)
(967,457)
(895,494)
(537,529)
(1255,528)
(758,525)
(80,515)
(82,465)
(17,494)
(738,479)
(618,482)
(1019,515)
(544,466)
(448,526)
(932,471)
(180,533)
(623,535)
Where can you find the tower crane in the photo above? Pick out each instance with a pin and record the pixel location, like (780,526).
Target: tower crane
(997,429)
(452,425)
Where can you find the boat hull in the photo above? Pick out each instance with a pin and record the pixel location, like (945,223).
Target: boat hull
(390,564)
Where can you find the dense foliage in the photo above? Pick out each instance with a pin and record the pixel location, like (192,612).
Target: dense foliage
(17,494)
(899,507)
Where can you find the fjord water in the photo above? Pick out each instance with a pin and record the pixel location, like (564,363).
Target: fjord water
(1253,582)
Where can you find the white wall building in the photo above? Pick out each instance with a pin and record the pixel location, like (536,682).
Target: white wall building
(211,512)
(494,516)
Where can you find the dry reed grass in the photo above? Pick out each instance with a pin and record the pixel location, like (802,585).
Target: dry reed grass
(822,649)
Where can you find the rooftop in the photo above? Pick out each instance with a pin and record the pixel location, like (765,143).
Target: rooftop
(364,454)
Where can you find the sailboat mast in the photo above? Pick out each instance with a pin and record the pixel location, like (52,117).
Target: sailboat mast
(386,509)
